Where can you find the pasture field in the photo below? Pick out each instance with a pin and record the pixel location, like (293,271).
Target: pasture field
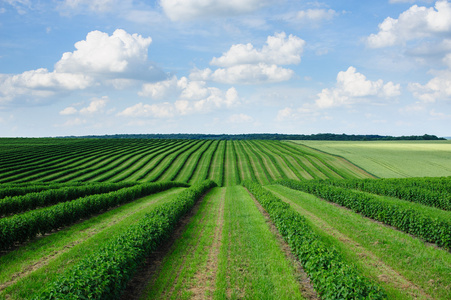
(389,159)
(219,219)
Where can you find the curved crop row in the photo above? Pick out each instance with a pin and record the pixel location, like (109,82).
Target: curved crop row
(17,204)
(408,220)
(163,154)
(20,228)
(204,164)
(331,276)
(104,273)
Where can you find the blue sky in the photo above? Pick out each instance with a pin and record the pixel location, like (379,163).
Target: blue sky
(83,67)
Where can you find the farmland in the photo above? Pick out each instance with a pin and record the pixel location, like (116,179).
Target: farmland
(393,158)
(220,219)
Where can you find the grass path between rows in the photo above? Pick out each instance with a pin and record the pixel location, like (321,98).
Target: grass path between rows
(227,251)
(405,266)
(28,269)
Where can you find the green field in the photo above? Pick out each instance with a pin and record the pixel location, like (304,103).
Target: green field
(390,159)
(217,219)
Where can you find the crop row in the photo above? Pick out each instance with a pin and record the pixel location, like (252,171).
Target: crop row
(17,204)
(20,228)
(105,273)
(331,276)
(413,221)
(409,189)
(162,160)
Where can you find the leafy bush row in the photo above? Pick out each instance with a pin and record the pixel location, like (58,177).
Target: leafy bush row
(105,273)
(408,220)
(18,189)
(20,228)
(17,204)
(409,189)
(331,276)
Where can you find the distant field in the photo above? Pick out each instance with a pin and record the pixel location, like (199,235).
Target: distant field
(142,160)
(393,158)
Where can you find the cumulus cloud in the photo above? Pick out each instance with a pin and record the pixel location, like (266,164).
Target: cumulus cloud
(185,10)
(416,22)
(437,88)
(353,87)
(188,97)
(120,55)
(240,118)
(244,64)
(95,106)
(99,60)
(279,49)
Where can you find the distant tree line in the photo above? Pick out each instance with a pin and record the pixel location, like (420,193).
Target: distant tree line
(271,136)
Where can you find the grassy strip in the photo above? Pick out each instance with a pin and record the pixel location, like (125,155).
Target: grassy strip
(402,264)
(20,189)
(20,228)
(251,263)
(271,164)
(177,277)
(409,220)
(17,204)
(256,163)
(104,274)
(332,277)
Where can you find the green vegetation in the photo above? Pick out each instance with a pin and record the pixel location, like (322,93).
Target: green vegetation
(403,265)
(424,222)
(333,279)
(104,273)
(393,158)
(76,221)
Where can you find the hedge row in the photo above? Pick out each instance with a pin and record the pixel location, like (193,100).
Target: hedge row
(17,204)
(331,276)
(20,228)
(408,220)
(409,189)
(105,273)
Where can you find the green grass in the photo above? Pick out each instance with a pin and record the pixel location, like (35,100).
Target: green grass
(251,263)
(66,247)
(390,257)
(393,158)
(186,267)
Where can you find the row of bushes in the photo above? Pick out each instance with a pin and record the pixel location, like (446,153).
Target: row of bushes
(331,276)
(409,189)
(105,273)
(20,228)
(17,204)
(409,220)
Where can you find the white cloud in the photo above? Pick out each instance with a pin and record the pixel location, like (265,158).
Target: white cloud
(353,87)
(416,22)
(189,96)
(243,64)
(117,60)
(40,83)
(121,55)
(96,106)
(316,15)
(185,10)
(278,50)
(245,74)
(435,89)
(70,110)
